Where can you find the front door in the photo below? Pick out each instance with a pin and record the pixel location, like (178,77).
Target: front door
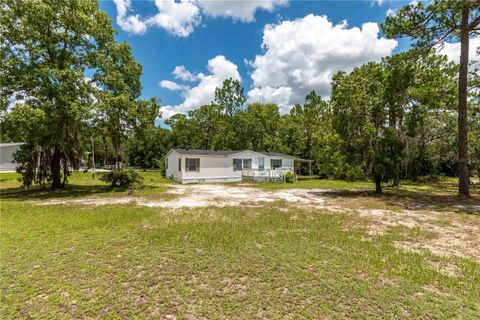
(261,164)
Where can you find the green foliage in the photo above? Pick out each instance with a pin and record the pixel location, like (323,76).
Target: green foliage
(59,41)
(50,50)
(123,178)
(331,162)
(24,123)
(386,121)
(431,23)
(258,128)
(360,118)
(162,168)
(430,178)
(289,177)
(429,26)
(230,97)
(146,149)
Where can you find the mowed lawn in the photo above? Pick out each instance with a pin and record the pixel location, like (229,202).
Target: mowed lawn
(127,261)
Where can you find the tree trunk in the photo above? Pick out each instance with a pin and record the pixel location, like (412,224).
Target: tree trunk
(396,177)
(463,175)
(65,173)
(105,158)
(55,166)
(378,184)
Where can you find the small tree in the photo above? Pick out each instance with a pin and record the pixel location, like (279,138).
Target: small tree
(360,118)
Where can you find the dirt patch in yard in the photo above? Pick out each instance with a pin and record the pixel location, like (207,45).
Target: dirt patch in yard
(453,234)
(204,195)
(456,238)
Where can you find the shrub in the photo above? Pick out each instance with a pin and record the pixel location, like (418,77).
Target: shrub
(431,178)
(122,178)
(289,177)
(161,166)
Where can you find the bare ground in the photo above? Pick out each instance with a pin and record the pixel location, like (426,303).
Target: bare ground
(455,226)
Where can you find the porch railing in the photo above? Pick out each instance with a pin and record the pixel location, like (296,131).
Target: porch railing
(266,173)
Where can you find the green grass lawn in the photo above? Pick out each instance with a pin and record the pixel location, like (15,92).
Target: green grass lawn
(126,261)
(447,187)
(81,184)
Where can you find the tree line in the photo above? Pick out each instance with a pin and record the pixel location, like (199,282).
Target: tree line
(384,121)
(413,115)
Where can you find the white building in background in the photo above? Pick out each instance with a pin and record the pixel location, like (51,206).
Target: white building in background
(6,156)
(197,166)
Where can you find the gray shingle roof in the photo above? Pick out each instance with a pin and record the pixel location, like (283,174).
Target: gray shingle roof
(276,154)
(205,152)
(226,153)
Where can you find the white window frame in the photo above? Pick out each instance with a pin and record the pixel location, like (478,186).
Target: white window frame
(248,161)
(271,163)
(197,164)
(235,161)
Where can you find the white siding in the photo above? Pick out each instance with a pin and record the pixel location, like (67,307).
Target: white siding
(6,157)
(212,169)
(172,170)
(249,155)
(286,162)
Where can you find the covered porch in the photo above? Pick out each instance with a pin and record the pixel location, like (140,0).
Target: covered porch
(303,167)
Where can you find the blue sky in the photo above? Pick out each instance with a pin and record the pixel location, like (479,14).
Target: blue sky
(176,39)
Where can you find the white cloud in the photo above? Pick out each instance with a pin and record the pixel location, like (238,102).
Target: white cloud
(178,18)
(452,50)
(378,2)
(280,96)
(219,69)
(183,74)
(170,85)
(303,55)
(239,10)
(181,18)
(390,13)
(132,23)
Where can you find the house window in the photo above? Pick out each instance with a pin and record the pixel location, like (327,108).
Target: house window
(180,164)
(276,163)
(247,163)
(166,163)
(261,164)
(237,164)
(192,164)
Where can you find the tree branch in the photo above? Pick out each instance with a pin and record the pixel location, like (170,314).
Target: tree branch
(473,24)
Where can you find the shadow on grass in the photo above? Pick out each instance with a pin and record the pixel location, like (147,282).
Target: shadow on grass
(75,191)
(410,200)
(71,191)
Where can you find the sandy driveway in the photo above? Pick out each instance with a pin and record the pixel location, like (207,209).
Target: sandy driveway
(204,195)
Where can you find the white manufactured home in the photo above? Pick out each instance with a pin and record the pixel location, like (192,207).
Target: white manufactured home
(197,166)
